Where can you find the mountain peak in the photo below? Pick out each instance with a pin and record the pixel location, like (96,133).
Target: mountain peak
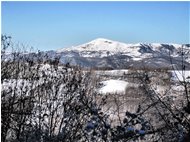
(101,44)
(101,41)
(97,53)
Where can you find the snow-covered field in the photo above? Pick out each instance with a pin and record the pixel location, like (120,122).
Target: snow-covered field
(113,86)
(119,86)
(112,72)
(181,75)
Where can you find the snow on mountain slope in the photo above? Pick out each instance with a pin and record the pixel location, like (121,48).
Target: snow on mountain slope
(99,44)
(104,47)
(107,53)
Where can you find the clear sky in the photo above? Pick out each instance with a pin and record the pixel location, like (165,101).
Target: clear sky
(53,25)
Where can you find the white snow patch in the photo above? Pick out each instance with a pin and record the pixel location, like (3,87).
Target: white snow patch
(180,75)
(112,72)
(45,66)
(113,86)
(137,59)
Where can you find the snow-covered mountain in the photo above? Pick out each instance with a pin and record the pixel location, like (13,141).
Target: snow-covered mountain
(112,54)
(104,53)
(107,47)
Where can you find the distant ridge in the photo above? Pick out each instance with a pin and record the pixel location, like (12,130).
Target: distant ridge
(105,53)
(108,54)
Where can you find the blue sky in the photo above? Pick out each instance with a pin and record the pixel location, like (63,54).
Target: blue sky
(53,25)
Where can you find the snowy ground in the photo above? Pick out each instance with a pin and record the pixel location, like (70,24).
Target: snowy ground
(119,86)
(113,86)
(181,75)
(112,72)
